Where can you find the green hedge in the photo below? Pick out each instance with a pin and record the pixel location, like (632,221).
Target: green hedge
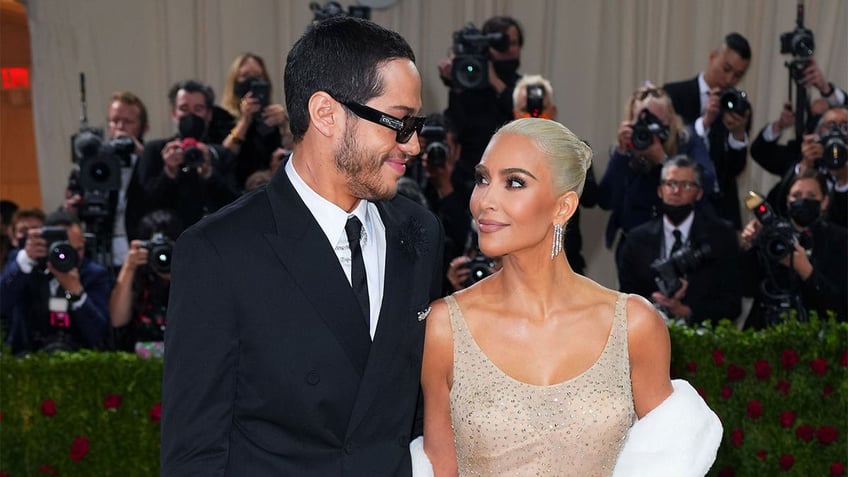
(781,393)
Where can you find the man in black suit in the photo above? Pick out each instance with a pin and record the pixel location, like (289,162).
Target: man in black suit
(294,340)
(724,130)
(709,286)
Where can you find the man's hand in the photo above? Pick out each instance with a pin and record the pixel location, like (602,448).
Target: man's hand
(736,123)
(786,119)
(625,133)
(458,272)
(137,256)
(445,66)
(811,150)
(274,115)
(70,280)
(749,233)
(813,76)
(712,111)
(36,247)
(673,304)
(139,147)
(205,169)
(172,156)
(799,261)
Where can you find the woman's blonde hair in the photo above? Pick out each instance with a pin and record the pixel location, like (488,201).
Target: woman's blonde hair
(568,155)
(677,131)
(229,101)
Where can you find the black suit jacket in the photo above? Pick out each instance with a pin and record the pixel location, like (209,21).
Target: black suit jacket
(713,291)
(729,163)
(269,369)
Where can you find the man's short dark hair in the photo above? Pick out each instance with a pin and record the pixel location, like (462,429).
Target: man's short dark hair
(60,217)
(192,86)
(7,211)
(339,55)
(501,24)
(739,44)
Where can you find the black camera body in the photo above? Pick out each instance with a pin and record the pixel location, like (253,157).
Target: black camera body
(332,9)
(835,151)
(160,251)
(60,253)
(436,146)
(799,43)
(480,267)
(777,237)
(647,126)
(471,56)
(99,164)
(535,100)
(668,272)
(733,100)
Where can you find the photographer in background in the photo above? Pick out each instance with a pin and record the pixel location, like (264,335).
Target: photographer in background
(825,151)
(56,297)
(477,112)
(470,267)
(185,173)
(112,219)
(253,124)
(650,132)
(139,301)
(697,250)
(721,117)
(799,264)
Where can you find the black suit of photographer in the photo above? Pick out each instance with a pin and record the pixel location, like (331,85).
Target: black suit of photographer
(713,290)
(189,196)
(822,291)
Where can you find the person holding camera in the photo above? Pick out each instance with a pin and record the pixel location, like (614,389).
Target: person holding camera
(254,122)
(185,173)
(825,150)
(796,264)
(56,297)
(684,261)
(650,132)
(110,212)
(721,116)
(139,300)
(480,102)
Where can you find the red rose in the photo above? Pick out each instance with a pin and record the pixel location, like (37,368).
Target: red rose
(787,419)
(692,367)
(762,454)
(819,366)
(805,432)
(4,474)
(48,407)
(156,412)
(79,448)
(736,437)
(827,434)
(783,387)
(735,373)
(827,391)
(112,402)
(46,469)
(787,461)
(726,392)
(755,409)
(844,360)
(762,370)
(789,358)
(727,472)
(718,357)
(837,469)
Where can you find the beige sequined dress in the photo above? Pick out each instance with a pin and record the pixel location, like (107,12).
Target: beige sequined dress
(504,427)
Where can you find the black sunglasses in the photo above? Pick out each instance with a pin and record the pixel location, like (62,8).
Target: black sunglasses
(405,127)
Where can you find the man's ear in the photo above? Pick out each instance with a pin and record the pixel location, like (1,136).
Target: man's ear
(566,207)
(325,113)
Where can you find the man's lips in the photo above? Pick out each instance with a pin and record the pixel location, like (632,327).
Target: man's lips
(398,165)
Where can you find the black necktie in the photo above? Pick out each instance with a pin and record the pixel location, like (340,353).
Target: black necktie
(678,243)
(358,279)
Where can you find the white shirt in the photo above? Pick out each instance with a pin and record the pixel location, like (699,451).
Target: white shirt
(668,231)
(332,219)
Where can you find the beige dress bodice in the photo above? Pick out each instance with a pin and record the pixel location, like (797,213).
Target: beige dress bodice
(505,427)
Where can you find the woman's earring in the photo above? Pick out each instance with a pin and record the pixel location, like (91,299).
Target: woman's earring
(556,246)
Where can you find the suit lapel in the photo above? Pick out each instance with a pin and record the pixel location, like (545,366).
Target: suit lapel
(391,325)
(302,248)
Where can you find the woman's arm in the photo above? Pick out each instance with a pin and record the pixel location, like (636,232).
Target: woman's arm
(650,355)
(436,381)
(120,301)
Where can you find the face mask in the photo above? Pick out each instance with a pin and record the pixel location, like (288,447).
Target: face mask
(505,68)
(805,212)
(676,213)
(192,126)
(242,87)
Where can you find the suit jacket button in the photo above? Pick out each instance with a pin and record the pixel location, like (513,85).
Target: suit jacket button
(313,378)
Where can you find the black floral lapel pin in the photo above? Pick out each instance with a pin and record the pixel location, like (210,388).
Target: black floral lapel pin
(413,238)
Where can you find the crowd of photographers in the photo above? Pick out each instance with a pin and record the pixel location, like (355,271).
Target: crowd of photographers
(95,273)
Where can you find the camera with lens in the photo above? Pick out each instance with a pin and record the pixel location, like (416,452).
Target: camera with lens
(733,100)
(436,146)
(99,165)
(333,9)
(471,56)
(777,237)
(835,151)
(535,100)
(160,250)
(479,268)
(668,272)
(60,253)
(647,126)
(799,43)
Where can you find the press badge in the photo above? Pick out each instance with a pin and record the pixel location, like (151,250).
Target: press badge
(59,316)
